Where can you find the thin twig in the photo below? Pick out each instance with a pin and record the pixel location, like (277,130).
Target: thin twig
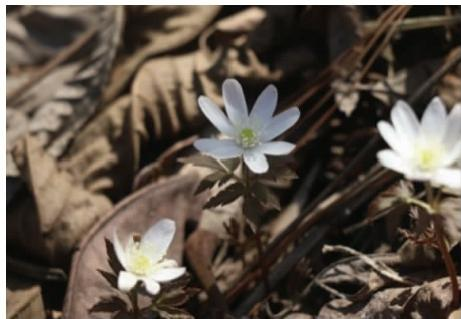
(329,289)
(418,23)
(388,259)
(380,268)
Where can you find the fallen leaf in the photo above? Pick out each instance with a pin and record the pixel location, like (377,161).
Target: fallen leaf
(172,198)
(49,222)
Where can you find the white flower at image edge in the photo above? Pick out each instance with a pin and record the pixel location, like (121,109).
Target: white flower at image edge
(426,151)
(248,135)
(144,260)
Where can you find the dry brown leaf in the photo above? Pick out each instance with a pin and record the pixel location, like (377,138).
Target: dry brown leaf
(383,304)
(23,299)
(61,102)
(449,88)
(103,156)
(172,198)
(165,97)
(50,221)
(154,30)
(431,300)
(346,96)
(450,210)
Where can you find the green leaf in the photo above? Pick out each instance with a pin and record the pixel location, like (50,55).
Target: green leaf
(112,304)
(224,180)
(202,161)
(266,196)
(226,196)
(113,261)
(109,277)
(168,312)
(210,180)
(252,210)
(278,176)
(178,298)
(231,164)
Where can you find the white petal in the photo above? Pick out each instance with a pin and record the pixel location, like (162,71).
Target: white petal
(452,155)
(167,263)
(280,123)
(256,161)
(126,281)
(392,139)
(405,123)
(214,114)
(159,238)
(119,252)
(449,177)
(276,148)
(453,127)
(151,285)
(234,102)
(418,175)
(434,119)
(220,149)
(264,106)
(168,274)
(391,160)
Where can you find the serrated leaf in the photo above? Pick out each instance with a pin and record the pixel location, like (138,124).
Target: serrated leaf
(109,277)
(113,261)
(252,210)
(202,161)
(179,298)
(167,312)
(226,196)
(179,283)
(113,304)
(231,164)
(210,180)
(266,196)
(64,99)
(279,175)
(224,180)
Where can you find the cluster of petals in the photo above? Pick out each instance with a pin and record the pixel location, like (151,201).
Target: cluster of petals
(144,260)
(427,150)
(247,134)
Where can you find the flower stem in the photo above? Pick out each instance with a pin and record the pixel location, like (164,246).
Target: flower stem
(441,243)
(449,264)
(429,194)
(134,302)
(247,182)
(415,201)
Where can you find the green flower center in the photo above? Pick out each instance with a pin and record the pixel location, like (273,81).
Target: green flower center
(248,138)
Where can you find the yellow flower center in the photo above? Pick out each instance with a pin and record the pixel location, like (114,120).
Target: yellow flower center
(140,264)
(248,138)
(428,158)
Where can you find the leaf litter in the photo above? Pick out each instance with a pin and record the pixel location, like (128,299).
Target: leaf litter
(101,116)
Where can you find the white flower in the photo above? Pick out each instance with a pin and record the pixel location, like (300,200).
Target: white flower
(143,260)
(426,151)
(251,134)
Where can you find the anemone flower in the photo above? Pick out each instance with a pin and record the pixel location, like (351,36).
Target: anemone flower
(247,134)
(426,151)
(144,258)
